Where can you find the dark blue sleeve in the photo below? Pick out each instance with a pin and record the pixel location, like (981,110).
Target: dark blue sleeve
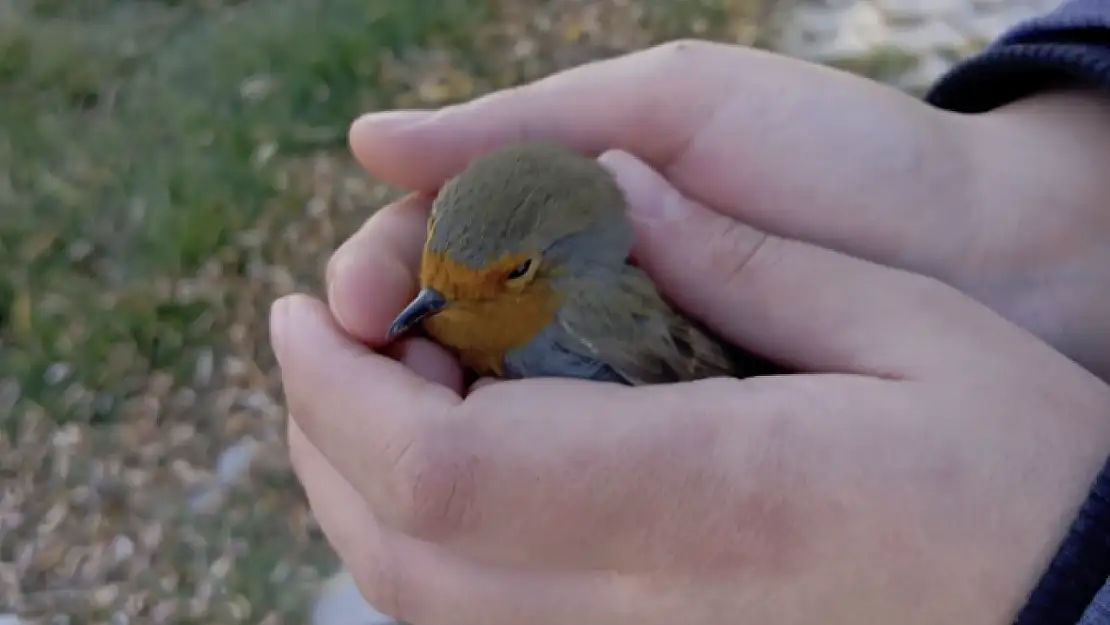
(1069,46)
(1075,584)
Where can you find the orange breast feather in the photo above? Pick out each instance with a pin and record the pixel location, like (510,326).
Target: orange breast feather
(485,318)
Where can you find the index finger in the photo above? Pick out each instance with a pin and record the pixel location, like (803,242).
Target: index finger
(613,103)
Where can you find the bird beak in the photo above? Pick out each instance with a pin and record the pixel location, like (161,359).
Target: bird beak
(426,303)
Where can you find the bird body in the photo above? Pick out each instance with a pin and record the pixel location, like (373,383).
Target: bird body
(525,273)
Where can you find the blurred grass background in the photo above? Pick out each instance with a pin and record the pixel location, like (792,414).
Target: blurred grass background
(168,168)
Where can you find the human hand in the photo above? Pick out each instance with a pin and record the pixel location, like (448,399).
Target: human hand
(922,471)
(1008,207)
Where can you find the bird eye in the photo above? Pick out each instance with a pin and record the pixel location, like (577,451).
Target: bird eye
(521,270)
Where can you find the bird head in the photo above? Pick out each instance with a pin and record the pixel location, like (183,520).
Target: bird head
(504,237)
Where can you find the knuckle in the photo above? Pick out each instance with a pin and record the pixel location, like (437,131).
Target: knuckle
(433,486)
(504,101)
(676,58)
(735,252)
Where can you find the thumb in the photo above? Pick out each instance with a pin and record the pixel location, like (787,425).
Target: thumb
(802,305)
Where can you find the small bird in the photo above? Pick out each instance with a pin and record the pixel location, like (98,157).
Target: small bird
(525,272)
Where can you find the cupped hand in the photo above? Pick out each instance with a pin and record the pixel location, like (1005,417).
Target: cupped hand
(1009,207)
(922,470)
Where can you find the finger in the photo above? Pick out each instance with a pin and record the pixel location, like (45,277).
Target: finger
(590,108)
(365,410)
(737,129)
(430,361)
(372,275)
(794,302)
(421,583)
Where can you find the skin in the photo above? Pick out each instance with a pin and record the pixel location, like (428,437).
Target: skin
(923,470)
(525,273)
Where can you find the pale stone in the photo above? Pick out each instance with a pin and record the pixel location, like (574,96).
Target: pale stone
(911,10)
(930,37)
(812,32)
(340,603)
(929,30)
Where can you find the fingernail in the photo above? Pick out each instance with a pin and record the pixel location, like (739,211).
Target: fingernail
(279,322)
(390,120)
(649,195)
(335,268)
(338,267)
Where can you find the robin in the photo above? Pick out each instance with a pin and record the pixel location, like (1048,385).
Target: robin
(525,273)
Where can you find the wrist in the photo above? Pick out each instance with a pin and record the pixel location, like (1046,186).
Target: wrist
(1041,249)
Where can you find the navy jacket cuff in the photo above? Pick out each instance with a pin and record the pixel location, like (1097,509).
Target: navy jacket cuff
(1068,47)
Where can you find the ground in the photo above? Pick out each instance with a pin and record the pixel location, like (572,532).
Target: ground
(168,168)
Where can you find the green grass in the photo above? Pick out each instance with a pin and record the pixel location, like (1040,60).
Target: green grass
(141,138)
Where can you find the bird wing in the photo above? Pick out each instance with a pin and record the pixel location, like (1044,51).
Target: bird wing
(632,329)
